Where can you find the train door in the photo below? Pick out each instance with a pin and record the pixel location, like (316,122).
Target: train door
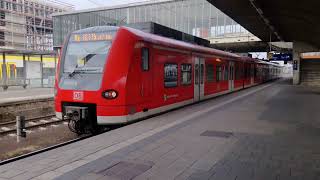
(199,79)
(231,76)
(146,87)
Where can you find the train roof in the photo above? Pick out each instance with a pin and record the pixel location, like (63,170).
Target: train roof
(153,38)
(96,29)
(179,44)
(259,61)
(269,63)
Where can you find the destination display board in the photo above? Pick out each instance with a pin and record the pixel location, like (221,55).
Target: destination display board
(91,37)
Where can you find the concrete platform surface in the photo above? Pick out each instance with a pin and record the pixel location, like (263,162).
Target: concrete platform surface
(20,94)
(267,132)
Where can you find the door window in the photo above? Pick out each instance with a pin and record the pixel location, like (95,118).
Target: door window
(219,73)
(201,73)
(196,71)
(186,74)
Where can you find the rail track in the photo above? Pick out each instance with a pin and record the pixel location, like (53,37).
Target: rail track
(10,127)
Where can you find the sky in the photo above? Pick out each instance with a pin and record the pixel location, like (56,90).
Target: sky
(86,4)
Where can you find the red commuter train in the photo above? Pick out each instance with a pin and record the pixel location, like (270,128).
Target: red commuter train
(115,75)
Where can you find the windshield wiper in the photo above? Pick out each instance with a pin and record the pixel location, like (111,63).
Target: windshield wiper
(74,71)
(88,57)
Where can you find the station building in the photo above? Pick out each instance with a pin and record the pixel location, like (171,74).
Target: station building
(195,17)
(26,31)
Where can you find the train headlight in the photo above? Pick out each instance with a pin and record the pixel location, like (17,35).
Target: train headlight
(110,94)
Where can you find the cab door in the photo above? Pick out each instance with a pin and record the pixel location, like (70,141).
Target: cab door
(199,64)
(231,76)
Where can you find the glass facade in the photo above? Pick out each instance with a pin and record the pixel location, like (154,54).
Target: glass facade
(196,17)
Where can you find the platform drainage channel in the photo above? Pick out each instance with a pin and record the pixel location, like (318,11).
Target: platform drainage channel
(126,170)
(220,134)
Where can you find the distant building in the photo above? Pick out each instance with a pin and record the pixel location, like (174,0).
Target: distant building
(195,17)
(27,24)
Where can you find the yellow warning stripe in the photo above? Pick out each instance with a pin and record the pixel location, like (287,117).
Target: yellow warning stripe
(31,58)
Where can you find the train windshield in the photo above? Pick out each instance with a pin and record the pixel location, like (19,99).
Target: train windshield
(83,62)
(86,57)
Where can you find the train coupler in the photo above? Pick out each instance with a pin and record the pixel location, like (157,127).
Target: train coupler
(78,119)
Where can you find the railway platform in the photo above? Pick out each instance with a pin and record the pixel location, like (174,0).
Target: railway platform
(267,132)
(19,94)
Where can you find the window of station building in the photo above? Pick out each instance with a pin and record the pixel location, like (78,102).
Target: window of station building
(210,72)
(170,75)
(219,76)
(186,74)
(145,59)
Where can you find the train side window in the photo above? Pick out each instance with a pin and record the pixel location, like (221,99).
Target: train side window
(145,59)
(226,72)
(245,71)
(170,75)
(219,73)
(186,74)
(236,72)
(210,72)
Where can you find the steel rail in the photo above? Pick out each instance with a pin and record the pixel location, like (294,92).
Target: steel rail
(27,120)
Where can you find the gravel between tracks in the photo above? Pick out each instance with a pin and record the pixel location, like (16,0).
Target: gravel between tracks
(38,139)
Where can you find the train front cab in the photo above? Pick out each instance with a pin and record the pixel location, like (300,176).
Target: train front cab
(90,82)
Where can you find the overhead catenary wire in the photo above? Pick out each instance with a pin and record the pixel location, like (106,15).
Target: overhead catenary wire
(95,2)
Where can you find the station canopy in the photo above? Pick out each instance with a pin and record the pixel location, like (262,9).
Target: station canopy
(287,20)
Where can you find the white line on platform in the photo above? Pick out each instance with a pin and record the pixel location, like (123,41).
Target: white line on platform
(12,135)
(44,121)
(19,99)
(5,129)
(42,128)
(32,123)
(54,125)
(54,119)
(65,123)
(145,135)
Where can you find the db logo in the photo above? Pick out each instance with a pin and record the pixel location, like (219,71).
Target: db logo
(78,96)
